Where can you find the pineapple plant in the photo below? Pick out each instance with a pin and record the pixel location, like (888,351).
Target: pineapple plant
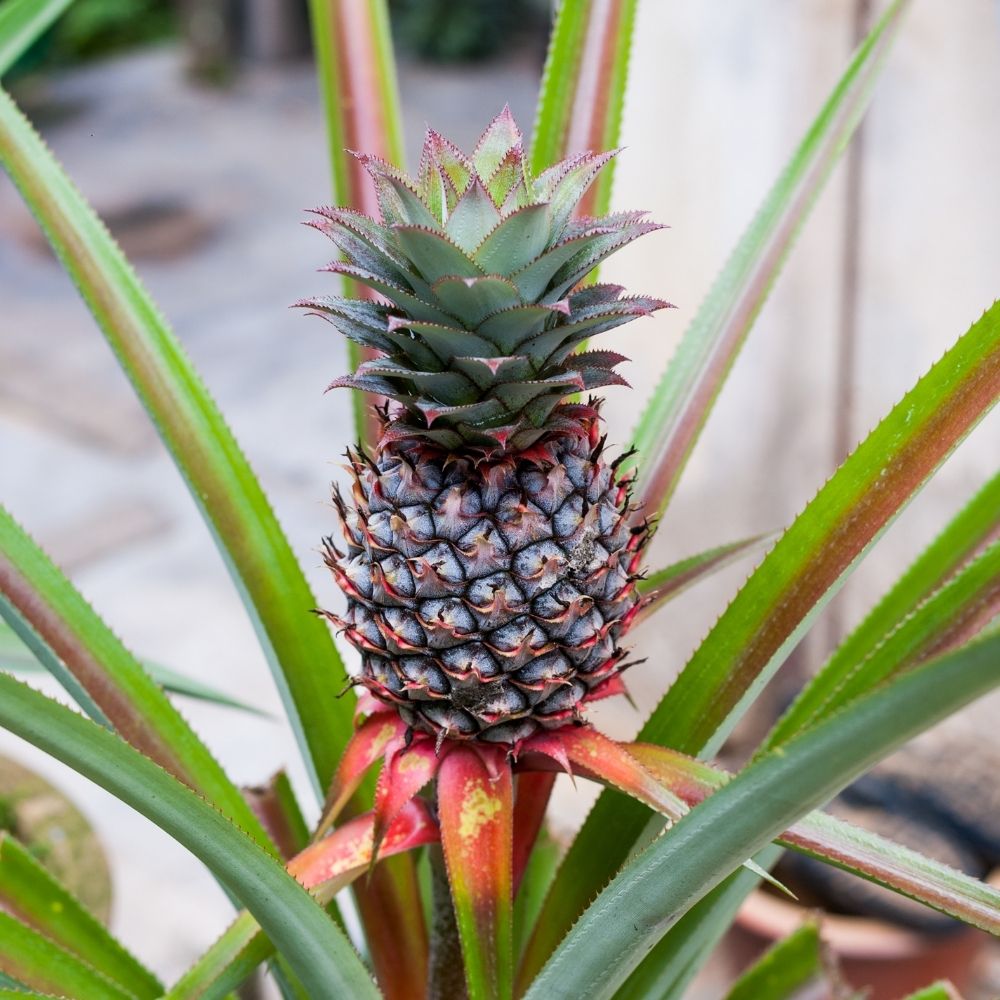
(492,548)
(490,559)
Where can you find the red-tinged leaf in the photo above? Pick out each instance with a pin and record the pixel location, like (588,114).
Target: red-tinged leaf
(948,619)
(325,867)
(664,880)
(299,649)
(665,584)
(357,78)
(688,777)
(680,404)
(275,805)
(831,840)
(969,533)
(898,868)
(75,645)
(593,755)
(475,810)
(583,88)
(406,771)
(531,799)
(330,864)
(783,596)
(391,911)
(367,745)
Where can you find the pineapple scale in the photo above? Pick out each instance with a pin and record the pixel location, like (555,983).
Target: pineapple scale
(488,601)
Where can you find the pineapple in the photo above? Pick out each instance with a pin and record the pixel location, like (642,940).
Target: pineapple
(491,550)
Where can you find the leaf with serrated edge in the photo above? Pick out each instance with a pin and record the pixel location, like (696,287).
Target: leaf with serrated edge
(500,137)
(314,946)
(836,842)
(102,675)
(786,592)
(326,866)
(670,967)
(218,475)
(366,746)
(679,405)
(947,620)
(30,892)
(665,584)
(473,299)
(668,877)
(32,959)
(436,256)
(516,241)
(969,532)
(474,216)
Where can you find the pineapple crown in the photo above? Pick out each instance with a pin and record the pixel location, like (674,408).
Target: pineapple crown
(477,309)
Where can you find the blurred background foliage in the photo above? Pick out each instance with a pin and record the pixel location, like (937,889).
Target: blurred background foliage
(443,31)
(432,30)
(93,29)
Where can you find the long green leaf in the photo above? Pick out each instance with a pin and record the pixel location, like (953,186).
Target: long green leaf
(682,400)
(956,613)
(785,969)
(17,658)
(22,22)
(29,893)
(583,88)
(972,529)
(325,867)
(357,83)
(32,959)
(72,641)
(314,946)
(227,964)
(299,647)
(851,848)
(666,879)
(668,969)
(665,584)
(897,868)
(782,597)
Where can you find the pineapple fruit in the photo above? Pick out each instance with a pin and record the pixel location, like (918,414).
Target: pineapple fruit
(491,550)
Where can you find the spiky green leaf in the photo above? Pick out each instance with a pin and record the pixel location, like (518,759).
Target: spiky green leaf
(102,675)
(298,646)
(679,405)
(312,943)
(22,22)
(971,530)
(29,892)
(782,597)
(667,879)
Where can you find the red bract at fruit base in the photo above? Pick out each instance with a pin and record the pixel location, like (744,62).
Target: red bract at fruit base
(491,561)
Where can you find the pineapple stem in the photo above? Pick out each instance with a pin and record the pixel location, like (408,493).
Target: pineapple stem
(445,974)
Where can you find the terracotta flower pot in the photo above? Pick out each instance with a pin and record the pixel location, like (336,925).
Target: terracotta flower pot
(57,833)
(887,960)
